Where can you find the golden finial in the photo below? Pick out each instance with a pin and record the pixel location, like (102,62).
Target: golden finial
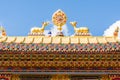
(59,18)
(116,32)
(3,32)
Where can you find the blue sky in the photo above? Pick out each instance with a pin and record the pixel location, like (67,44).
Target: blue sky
(19,16)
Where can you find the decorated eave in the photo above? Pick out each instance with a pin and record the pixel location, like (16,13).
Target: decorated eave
(59,44)
(81,42)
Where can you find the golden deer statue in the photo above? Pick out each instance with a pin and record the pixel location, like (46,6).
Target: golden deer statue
(79,30)
(39,30)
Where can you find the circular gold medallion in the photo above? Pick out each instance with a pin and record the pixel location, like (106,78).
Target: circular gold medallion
(59,18)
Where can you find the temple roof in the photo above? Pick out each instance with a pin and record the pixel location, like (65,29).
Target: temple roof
(60,44)
(58,40)
(80,41)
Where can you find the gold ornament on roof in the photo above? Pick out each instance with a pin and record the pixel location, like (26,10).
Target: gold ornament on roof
(116,32)
(39,30)
(82,31)
(59,18)
(2,30)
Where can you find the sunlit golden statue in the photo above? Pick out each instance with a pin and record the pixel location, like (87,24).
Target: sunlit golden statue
(80,31)
(38,30)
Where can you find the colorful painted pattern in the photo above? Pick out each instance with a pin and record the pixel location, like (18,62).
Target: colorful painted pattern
(90,47)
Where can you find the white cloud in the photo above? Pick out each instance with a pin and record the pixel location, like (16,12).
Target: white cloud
(54,30)
(65,30)
(46,32)
(111,29)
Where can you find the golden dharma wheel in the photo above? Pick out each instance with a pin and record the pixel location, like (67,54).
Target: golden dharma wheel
(59,18)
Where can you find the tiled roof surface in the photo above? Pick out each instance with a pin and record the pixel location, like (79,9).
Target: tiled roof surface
(57,40)
(60,44)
